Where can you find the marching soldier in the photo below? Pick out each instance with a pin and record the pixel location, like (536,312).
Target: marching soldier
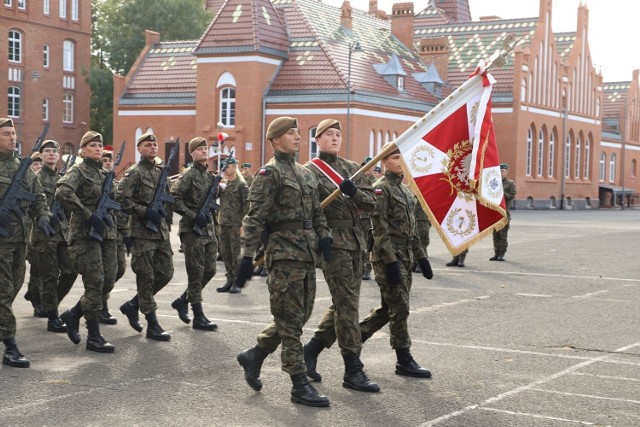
(343,272)
(284,198)
(13,246)
(152,257)
(366,225)
(377,173)
(190,193)
(79,192)
(500,237)
(34,286)
(233,207)
(424,225)
(396,243)
(246,173)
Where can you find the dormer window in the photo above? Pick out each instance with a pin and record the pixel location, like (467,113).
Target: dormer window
(400,84)
(392,72)
(431,81)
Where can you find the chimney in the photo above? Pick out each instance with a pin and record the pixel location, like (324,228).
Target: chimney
(436,51)
(345,15)
(151,37)
(402,23)
(373,7)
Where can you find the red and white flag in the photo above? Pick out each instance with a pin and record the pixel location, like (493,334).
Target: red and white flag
(452,156)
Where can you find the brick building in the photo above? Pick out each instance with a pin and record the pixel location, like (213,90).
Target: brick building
(45,51)
(554,116)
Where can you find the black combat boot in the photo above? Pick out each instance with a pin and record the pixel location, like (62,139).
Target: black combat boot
(34,299)
(95,341)
(501,257)
(72,318)
(199,319)
(453,262)
(234,288)
(154,331)
(105,316)
(366,275)
(461,258)
(182,307)
(226,288)
(12,356)
(495,257)
(251,361)
(408,367)
(54,324)
(354,376)
(311,351)
(304,393)
(130,309)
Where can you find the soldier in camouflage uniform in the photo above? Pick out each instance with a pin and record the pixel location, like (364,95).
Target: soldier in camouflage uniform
(34,286)
(233,207)
(152,257)
(344,272)
(79,192)
(246,173)
(396,243)
(424,225)
(500,237)
(50,255)
(190,192)
(13,247)
(284,198)
(365,222)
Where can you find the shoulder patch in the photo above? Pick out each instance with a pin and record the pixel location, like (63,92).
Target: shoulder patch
(126,174)
(378,191)
(264,172)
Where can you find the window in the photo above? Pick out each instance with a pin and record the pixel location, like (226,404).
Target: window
(372,142)
(552,154)
(634,166)
(603,159)
(529,151)
(15,46)
(313,146)
(567,157)
(68,55)
(63,9)
(74,10)
(228,106)
(45,56)
(45,7)
(587,158)
(22,4)
(578,148)
(612,168)
(45,109)
(7,3)
(14,101)
(67,113)
(540,151)
(401,83)
(523,91)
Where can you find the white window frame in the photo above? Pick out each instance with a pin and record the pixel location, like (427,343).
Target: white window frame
(8,3)
(74,10)
(46,7)
(15,39)
(22,4)
(541,136)
(552,153)
(567,157)
(14,99)
(587,158)
(401,83)
(529,159)
(228,106)
(67,110)
(63,9)
(45,56)
(612,168)
(313,145)
(68,56)
(578,153)
(45,109)
(603,161)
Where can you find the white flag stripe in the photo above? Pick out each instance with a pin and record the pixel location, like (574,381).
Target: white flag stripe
(424,159)
(480,113)
(461,222)
(491,185)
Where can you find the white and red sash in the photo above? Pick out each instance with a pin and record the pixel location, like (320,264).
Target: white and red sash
(328,171)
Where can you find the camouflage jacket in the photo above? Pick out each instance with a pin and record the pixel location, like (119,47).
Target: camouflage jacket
(122,220)
(190,192)
(18,233)
(284,194)
(135,192)
(48,178)
(79,192)
(394,220)
(233,203)
(248,180)
(343,209)
(421,215)
(509,189)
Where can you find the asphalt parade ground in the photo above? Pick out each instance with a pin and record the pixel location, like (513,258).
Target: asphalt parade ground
(551,337)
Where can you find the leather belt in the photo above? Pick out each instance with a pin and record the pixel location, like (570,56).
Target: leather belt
(343,222)
(290,226)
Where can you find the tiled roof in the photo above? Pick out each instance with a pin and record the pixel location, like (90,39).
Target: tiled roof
(167,74)
(431,15)
(564,43)
(614,95)
(243,26)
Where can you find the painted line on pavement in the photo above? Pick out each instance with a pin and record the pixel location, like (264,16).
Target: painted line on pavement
(447,304)
(606,377)
(589,396)
(538,416)
(563,276)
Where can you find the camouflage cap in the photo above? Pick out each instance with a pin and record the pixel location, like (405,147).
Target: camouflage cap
(36,157)
(49,143)
(280,126)
(396,151)
(196,142)
(145,137)
(90,136)
(504,166)
(230,161)
(4,122)
(326,124)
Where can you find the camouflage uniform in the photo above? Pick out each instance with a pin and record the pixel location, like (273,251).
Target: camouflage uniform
(190,192)
(500,237)
(284,198)
(152,257)
(424,225)
(233,207)
(343,273)
(122,222)
(13,248)
(249,180)
(51,254)
(395,239)
(366,226)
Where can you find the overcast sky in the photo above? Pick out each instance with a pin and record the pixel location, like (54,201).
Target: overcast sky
(614,32)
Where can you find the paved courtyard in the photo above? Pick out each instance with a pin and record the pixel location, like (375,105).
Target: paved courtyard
(549,338)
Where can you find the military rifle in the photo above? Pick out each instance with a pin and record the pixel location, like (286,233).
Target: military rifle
(160,197)
(210,204)
(15,193)
(71,160)
(106,203)
(56,208)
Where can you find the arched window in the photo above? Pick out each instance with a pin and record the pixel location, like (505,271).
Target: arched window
(529,151)
(313,145)
(567,157)
(578,149)
(387,137)
(379,141)
(603,159)
(228,106)
(68,48)
(15,46)
(612,168)
(552,152)
(541,138)
(67,112)
(587,158)
(149,130)
(14,101)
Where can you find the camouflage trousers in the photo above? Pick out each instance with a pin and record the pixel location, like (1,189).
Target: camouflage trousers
(230,249)
(55,267)
(423,231)
(152,262)
(96,263)
(500,239)
(394,308)
(343,275)
(12,271)
(292,289)
(200,260)
(34,286)
(121,255)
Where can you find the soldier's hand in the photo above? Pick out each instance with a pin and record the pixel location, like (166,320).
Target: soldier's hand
(245,271)
(201,220)
(128,243)
(96,223)
(45,225)
(348,187)
(153,215)
(425,267)
(392,273)
(325,247)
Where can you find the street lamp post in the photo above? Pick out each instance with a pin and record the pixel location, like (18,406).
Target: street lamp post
(353,47)
(35,75)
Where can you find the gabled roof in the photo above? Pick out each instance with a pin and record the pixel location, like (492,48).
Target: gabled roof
(564,43)
(614,96)
(245,26)
(431,15)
